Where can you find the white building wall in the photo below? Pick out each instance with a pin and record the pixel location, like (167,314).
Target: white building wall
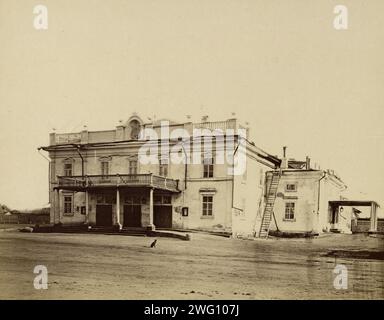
(311,209)
(240,191)
(248,199)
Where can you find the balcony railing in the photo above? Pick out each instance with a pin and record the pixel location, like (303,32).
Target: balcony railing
(139,180)
(216,125)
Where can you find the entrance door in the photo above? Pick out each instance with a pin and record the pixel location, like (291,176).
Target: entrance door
(162,216)
(335,217)
(132,215)
(104,215)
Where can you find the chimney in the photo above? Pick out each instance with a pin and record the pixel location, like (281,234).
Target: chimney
(284,161)
(307,163)
(204,119)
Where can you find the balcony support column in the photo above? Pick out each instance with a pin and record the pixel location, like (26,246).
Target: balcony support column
(373,218)
(151,226)
(57,215)
(118,208)
(86,207)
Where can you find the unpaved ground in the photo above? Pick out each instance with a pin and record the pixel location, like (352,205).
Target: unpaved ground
(83,266)
(4,226)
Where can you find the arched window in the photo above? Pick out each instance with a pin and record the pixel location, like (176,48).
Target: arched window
(135,129)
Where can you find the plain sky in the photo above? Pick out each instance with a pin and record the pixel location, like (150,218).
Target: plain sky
(280,65)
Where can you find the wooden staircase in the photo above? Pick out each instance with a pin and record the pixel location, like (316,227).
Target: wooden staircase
(268,210)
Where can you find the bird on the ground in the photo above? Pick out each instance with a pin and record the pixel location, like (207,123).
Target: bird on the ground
(153,244)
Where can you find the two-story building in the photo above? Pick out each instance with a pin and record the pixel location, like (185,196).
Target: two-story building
(303,199)
(205,176)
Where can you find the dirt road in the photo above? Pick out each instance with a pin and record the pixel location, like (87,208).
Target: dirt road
(85,266)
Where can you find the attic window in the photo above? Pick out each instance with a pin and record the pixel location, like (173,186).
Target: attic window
(291,187)
(135,129)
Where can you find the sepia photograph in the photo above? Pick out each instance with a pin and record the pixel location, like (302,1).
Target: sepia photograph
(197,151)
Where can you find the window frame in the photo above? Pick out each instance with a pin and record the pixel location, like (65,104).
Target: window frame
(130,167)
(65,204)
(164,167)
(163,170)
(135,129)
(66,170)
(105,198)
(291,184)
(207,207)
(104,173)
(290,211)
(208,168)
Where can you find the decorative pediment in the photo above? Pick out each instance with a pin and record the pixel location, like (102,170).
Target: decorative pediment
(105,159)
(132,157)
(207,190)
(69,160)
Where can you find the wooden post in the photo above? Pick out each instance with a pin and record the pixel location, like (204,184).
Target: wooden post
(151,225)
(86,207)
(373,218)
(118,208)
(58,207)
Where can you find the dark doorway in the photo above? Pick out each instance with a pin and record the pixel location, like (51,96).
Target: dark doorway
(132,215)
(104,215)
(335,215)
(162,216)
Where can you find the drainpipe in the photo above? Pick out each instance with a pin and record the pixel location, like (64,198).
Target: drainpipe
(49,161)
(49,179)
(82,159)
(318,192)
(185,167)
(318,196)
(233,170)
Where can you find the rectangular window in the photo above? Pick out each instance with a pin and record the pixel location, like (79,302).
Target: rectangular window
(105,199)
(109,199)
(208,167)
(162,200)
(163,167)
(291,187)
(135,199)
(207,205)
(157,200)
(99,199)
(132,166)
(68,204)
(163,170)
(289,211)
(68,169)
(128,200)
(104,169)
(167,200)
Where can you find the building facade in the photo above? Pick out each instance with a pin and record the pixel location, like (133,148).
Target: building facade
(303,200)
(159,175)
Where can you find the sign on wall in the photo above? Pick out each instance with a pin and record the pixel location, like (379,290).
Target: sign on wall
(68,138)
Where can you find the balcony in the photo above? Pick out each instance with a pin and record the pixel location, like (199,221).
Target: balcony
(216,125)
(81,183)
